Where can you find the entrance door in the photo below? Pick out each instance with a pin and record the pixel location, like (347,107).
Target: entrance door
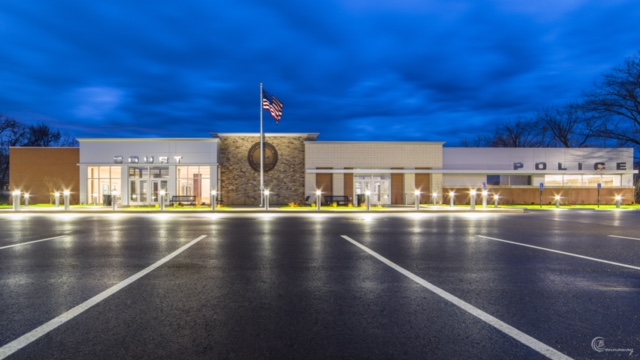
(379,187)
(156,187)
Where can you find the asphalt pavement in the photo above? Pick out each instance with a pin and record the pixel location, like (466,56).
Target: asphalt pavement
(560,284)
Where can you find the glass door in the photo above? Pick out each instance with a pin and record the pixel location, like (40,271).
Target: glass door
(156,187)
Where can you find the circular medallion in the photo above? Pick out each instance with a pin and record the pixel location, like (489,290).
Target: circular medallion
(270,157)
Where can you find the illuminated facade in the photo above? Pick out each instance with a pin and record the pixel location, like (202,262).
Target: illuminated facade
(138,170)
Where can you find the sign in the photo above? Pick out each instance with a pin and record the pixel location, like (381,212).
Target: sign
(599,186)
(541,186)
(484,185)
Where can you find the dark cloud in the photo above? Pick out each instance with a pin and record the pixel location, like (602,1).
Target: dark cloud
(348,69)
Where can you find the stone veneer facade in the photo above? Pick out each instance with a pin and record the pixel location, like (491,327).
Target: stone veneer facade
(240,184)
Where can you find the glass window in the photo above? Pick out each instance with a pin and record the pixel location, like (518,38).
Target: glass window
(493,180)
(102,180)
(196,181)
(520,180)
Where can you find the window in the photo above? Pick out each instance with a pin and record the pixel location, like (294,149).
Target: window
(509,180)
(582,180)
(195,180)
(103,180)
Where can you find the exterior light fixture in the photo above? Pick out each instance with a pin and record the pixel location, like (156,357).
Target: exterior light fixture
(57,198)
(162,195)
(318,199)
(16,199)
(417,193)
(558,198)
(266,199)
(214,199)
(114,199)
(485,195)
(496,199)
(26,199)
(66,194)
(368,198)
(452,198)
(618,201)
(434,197)
(473,199)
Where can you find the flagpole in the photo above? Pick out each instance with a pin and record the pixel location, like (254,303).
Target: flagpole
(261,150)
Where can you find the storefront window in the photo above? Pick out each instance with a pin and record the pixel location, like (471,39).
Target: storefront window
(195,180)
(582,180)
(102,181)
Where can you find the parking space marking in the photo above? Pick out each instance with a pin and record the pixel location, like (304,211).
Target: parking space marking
(33,335)
(562,252)
(623,237)
(498,324)
(31,242)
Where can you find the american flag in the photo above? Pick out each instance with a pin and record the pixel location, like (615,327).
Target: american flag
(271,103)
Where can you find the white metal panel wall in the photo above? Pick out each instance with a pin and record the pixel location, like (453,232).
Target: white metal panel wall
(372,155)
(191,151)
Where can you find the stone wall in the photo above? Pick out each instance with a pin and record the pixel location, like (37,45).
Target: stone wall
(240,184)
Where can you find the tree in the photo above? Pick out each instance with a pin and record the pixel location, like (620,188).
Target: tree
(615,102)
(15,133)
(520,132)
(569,126)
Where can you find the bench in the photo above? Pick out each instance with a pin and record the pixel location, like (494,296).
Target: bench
(337,199)
(183,199)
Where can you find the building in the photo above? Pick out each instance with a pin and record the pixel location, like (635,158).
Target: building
(298,165)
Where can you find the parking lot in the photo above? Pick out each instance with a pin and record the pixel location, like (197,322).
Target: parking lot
(562,284)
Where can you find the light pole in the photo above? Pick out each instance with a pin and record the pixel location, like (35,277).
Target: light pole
(417,193)
(214,195)
(67,195)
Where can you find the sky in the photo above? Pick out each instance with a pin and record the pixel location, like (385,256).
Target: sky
(350,70)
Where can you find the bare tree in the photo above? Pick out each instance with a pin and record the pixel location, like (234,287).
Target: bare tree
(615,102)
(569,126)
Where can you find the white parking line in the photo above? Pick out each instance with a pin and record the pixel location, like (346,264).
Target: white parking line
(562,252)
(498,324)
(31,242)
(33,335)
(623,237)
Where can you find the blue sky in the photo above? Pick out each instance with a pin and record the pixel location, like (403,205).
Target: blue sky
(405,70)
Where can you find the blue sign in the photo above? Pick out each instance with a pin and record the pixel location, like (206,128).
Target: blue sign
(484,186)
(599,186)
(541,186)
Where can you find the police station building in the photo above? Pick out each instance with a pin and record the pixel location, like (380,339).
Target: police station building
(136,171)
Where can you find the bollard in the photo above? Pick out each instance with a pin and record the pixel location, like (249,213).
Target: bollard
(16,200)
(95,199)
(558,197)
(214,199)
(162,194)
(319,199)
(368,196)
(452,197)
(26,200)
(66,194)
(618,201)
(473,199)
(266,200)
(417,192)
(485,195)
(114,200)
(435,198)
(57,197)
(496,199)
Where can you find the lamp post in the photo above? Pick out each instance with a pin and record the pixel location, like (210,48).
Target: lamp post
(26,200)
(16,200)
(162,194)
(266,199)
(368,196)
(618,201)
(417,193)
(485,195)
(214,200)
(56,195)
(473,199)
(67,195)
(318,199)
(452,198)
(114,199)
